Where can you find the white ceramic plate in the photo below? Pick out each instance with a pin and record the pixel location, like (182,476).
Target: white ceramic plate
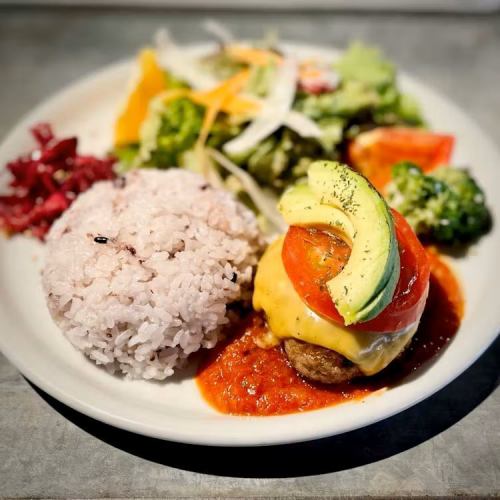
(174,410)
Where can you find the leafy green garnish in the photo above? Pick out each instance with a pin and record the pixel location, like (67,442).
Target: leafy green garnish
(221,65)
(170,130)
(126,156)
(368,94)
(366,65)
(260,80)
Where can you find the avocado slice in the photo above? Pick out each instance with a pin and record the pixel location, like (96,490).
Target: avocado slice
(300,207)
(367,283)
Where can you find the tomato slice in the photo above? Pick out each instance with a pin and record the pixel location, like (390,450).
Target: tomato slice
(375,152)
(312,257)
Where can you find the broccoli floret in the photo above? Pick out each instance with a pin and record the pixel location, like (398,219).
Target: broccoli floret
(446,206)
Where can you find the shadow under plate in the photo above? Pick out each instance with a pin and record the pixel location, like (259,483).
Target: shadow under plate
(363,446)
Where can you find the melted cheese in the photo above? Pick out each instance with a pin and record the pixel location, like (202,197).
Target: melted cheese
(288,316)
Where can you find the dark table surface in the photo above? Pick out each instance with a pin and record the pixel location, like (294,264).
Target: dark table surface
(448,445)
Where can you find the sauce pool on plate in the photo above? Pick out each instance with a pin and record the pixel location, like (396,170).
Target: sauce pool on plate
(240,378)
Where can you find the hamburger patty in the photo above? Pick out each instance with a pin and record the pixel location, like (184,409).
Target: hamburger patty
(319,363)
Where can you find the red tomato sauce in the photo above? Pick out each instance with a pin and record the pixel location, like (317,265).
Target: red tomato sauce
(240,378)
(439,323)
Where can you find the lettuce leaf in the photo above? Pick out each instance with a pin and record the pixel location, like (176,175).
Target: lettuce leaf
(260,80)
(364,64)
(169,130)
(368,94)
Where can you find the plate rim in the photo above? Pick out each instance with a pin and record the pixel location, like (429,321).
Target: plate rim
(122,422)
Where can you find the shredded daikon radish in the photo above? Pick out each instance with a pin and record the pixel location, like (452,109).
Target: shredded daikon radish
(302,124)
(219,31)
(265,202)
(275,108)
(180,62)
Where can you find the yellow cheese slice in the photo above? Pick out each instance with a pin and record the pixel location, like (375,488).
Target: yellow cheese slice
(288,316)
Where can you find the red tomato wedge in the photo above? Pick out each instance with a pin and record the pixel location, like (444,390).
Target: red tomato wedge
(312,257)
(374,153)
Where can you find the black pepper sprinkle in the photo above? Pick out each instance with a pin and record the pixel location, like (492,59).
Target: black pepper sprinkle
(234,277)
(101,239)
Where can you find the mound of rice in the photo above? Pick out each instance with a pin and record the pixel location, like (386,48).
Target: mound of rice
(139,271)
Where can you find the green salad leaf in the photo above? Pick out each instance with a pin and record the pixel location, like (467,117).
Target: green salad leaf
(283,158)
(260,80)
(348,101)
(126,156)
(169,130)
(366,65)
(333,131)
(408,109)
(221,65)
(367,96)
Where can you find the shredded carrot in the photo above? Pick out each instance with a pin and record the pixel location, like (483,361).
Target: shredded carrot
(238,105)
(233,105)
(310,69)
(228,87)
(151,82)
(252,56)
(208,120)
(308,72)
(216,99)
(173,94)
(224,97)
